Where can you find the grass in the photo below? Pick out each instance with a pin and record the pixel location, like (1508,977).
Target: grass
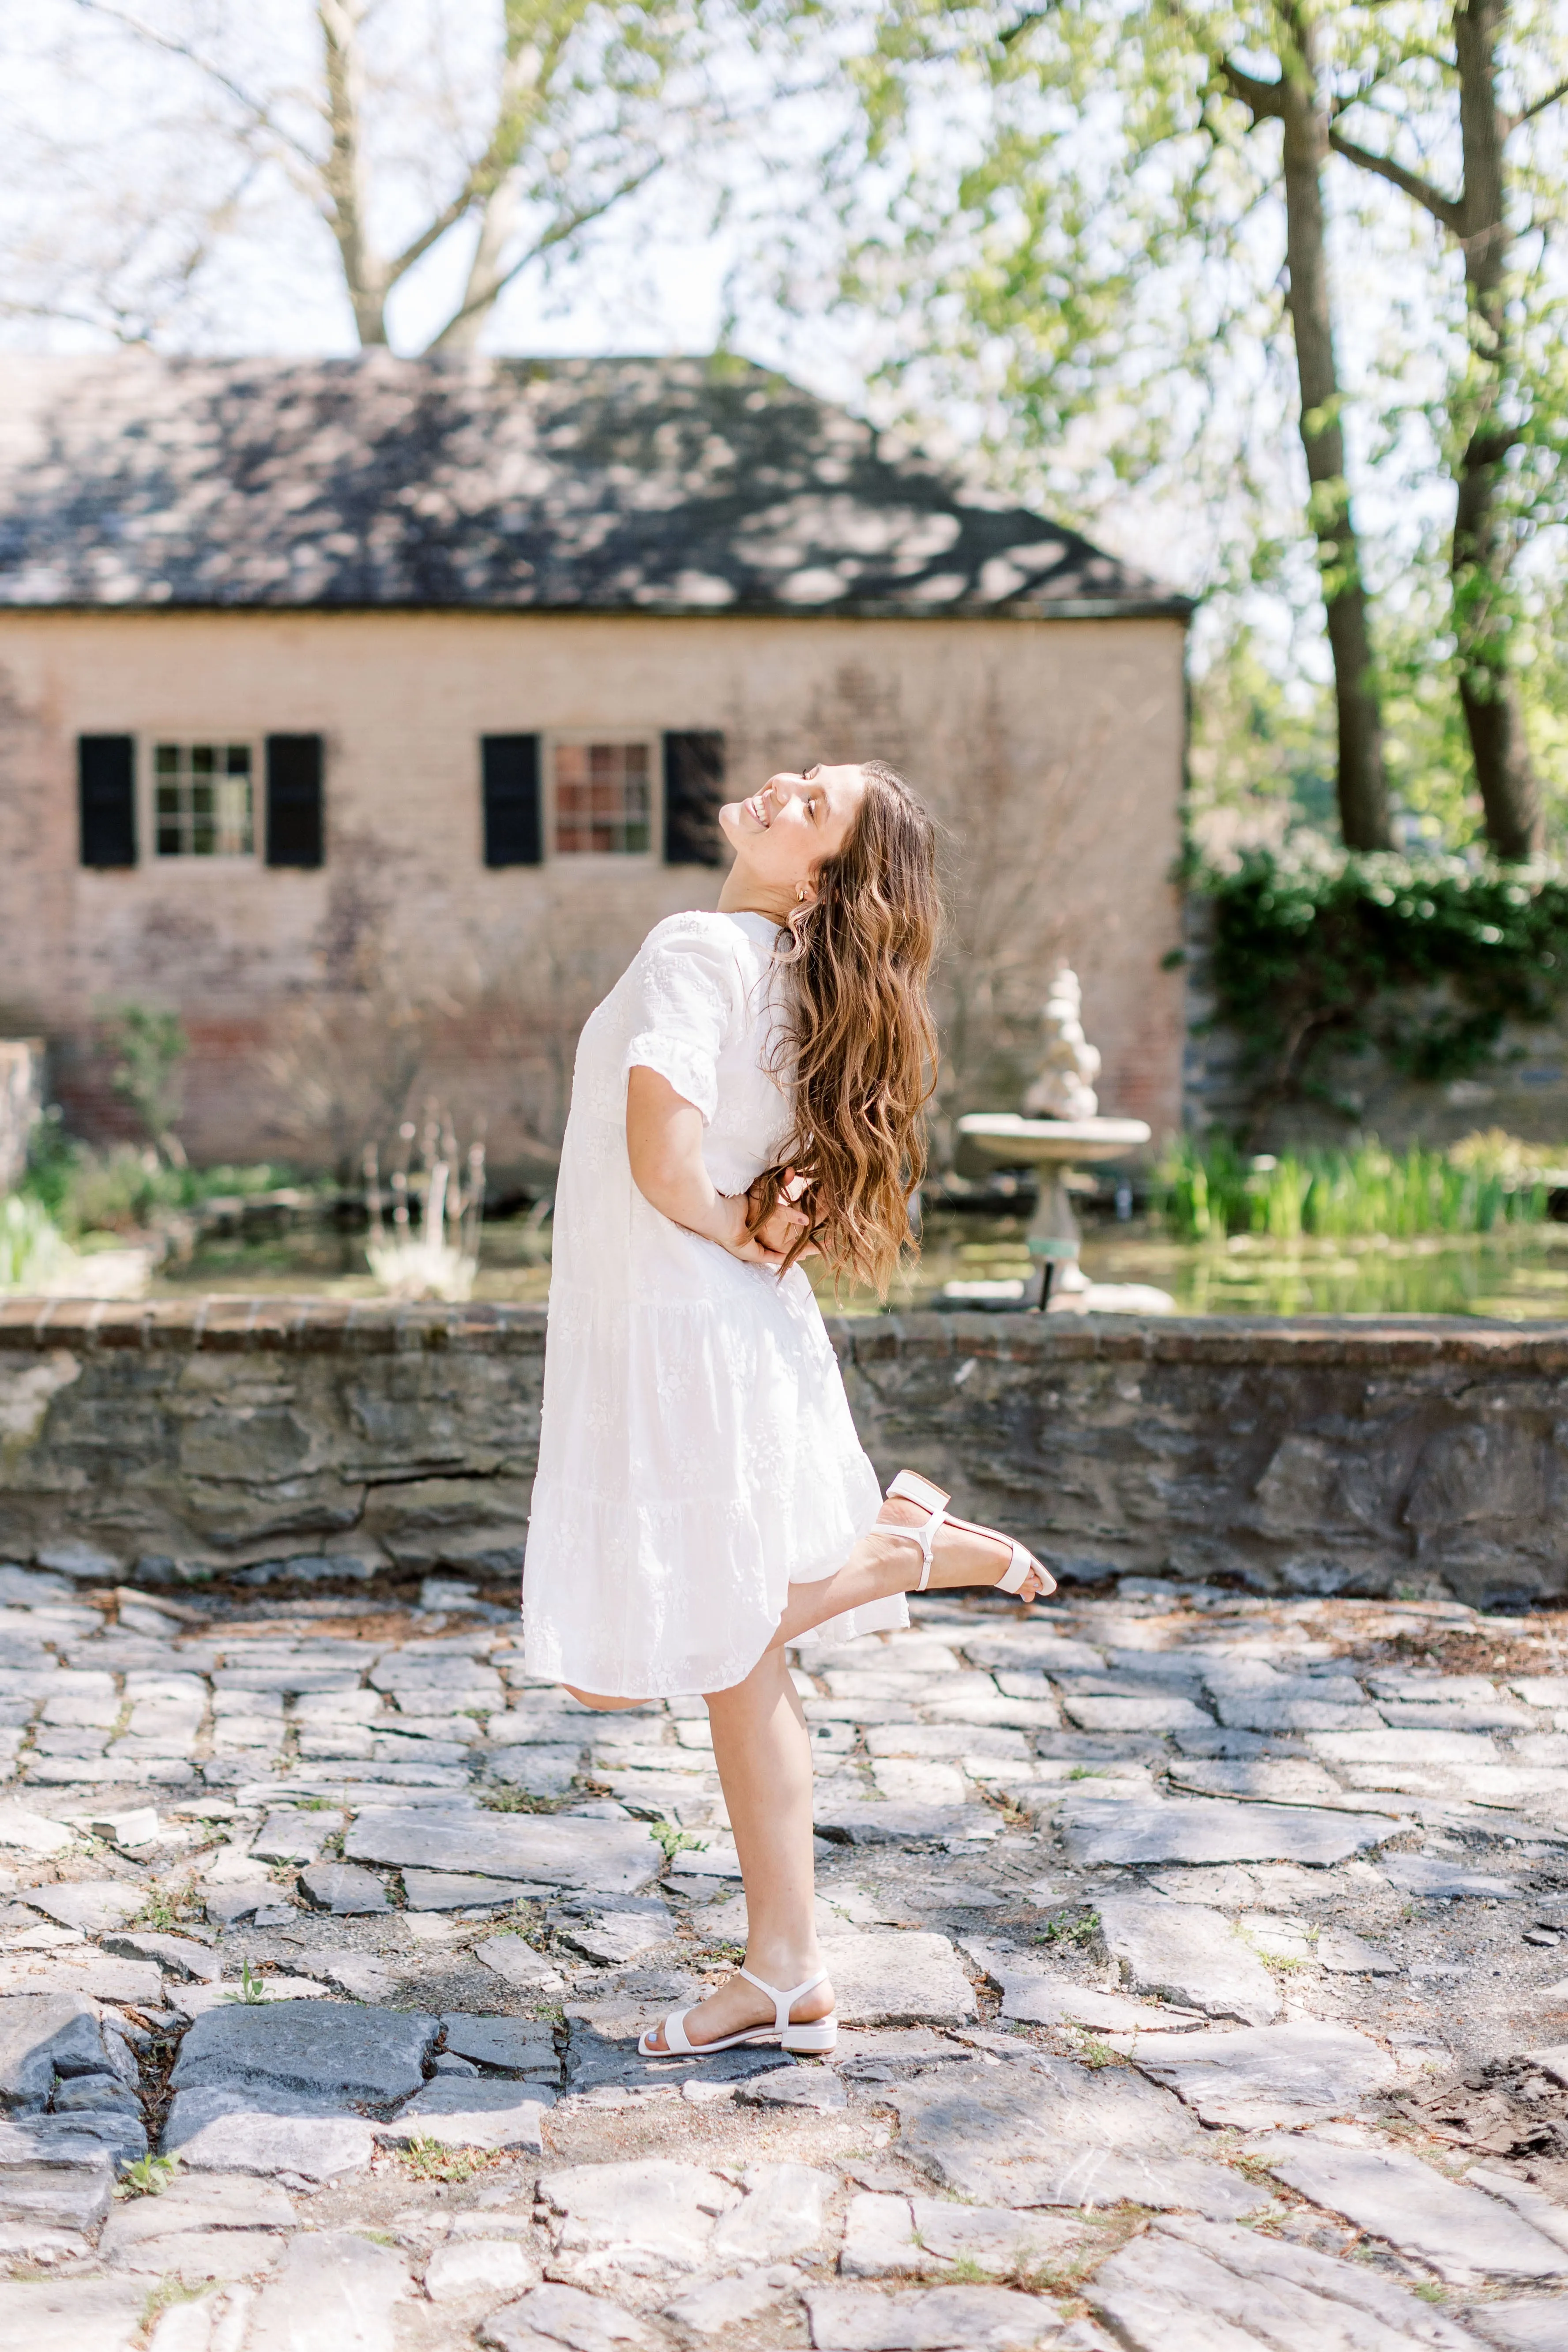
(429,2160)
(1430,2292)
(166,1909)
(148,2176)
(1209,1189)
(170,2290)
(1090,2051)
(502,1798)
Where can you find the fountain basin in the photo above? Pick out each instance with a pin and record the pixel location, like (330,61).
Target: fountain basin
(1058,1144)
(1017,1142)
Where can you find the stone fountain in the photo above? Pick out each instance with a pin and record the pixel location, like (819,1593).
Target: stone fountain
(1059,1129)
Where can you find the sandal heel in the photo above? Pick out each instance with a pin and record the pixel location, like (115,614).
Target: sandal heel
(909,1486)
(810,2041)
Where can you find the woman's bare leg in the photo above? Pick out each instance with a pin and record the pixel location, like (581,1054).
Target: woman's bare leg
(598,1702)
(764,1753)
(882,1564)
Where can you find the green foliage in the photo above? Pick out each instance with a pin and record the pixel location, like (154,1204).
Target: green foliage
(149,2175)
(428,2160)
(32,1247)
(126,1187)
(1210,1189)
(502,1798)
(673,1841)
(148,1048)
(120,1189)
(1317,951)
(252,1989)
(1064,1928)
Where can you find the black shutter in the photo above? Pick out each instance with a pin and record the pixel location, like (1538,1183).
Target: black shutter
(510,767)
(106,794)
(693,790)
(293,800)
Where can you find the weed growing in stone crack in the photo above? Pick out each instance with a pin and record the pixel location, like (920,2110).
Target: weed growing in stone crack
(1063,1928)
(430,2160)
(252,1987)
(313,1805)
(1430,2292)
(148,2176)
(964,2271)
(671,1840)
(170,2289)
(502,1798)
(1088,1772)
(1091,2051)
(166,1907)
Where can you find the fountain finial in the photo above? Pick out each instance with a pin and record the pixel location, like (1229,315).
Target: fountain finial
(1068,1064)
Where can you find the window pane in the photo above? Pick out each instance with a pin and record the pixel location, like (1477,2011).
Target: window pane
(203,800)
(604,800)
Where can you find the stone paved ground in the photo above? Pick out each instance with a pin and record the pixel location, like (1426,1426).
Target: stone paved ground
(1198,1957)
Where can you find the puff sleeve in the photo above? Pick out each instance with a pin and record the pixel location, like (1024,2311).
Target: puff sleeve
(689,992)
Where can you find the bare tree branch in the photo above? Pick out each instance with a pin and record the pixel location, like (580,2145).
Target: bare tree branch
(1441,207)
(1514,122)
(558,231)
(260,114)
(1266,99)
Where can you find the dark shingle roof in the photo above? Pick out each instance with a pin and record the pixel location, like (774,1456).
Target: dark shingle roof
(599,485)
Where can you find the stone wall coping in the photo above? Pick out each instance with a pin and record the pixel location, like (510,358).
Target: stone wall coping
(225,1324)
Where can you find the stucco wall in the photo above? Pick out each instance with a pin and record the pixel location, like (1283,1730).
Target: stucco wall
(1051,749)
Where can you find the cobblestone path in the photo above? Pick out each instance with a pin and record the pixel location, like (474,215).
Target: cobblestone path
(1199,1959)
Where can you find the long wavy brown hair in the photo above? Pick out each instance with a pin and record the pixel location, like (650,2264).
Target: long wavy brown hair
(860,1044)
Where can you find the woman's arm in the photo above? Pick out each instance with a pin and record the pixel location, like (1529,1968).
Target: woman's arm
(664,1144)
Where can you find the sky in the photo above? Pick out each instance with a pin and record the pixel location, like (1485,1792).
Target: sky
(122,153)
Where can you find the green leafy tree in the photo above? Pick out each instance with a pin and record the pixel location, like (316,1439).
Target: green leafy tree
(1496,73)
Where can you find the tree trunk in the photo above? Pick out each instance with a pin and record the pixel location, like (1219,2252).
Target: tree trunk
(343,177)
(1363,790)
(1510,790)
(1296,99)
(487,271)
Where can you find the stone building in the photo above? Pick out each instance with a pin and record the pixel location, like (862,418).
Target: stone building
(367,712)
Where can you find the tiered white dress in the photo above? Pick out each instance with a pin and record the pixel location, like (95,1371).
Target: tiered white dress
(697,1455)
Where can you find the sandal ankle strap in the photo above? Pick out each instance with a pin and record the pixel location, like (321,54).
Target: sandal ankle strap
(784,2002)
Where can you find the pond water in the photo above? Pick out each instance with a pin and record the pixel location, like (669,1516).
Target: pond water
(1518,1274)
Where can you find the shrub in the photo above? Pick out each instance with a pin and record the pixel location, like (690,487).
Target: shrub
(1428,961)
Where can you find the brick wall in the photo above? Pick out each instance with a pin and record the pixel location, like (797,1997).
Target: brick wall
(1052,751)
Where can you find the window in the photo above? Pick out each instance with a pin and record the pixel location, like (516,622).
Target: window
(203,801)
(604,798)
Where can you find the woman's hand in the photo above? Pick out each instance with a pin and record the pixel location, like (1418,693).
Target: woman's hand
(664,1146)
(783,1223)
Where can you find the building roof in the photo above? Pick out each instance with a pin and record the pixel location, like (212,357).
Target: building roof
(618,485)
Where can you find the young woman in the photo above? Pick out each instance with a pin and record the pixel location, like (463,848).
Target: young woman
(702,1498)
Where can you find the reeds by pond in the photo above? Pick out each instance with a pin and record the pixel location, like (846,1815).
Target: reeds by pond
(1209,1190)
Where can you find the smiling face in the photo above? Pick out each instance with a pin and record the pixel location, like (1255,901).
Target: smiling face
(782,834)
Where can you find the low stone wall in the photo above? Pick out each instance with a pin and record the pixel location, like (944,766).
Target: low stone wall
(187,1437)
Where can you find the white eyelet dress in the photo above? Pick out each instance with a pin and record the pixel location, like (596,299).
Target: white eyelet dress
(697,1455)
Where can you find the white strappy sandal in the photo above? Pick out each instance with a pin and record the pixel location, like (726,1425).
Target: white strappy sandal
(909,1486)
(813,2041)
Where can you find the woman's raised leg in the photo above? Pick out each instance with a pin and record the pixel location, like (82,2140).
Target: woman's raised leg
(883,1563)
(763,1755)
